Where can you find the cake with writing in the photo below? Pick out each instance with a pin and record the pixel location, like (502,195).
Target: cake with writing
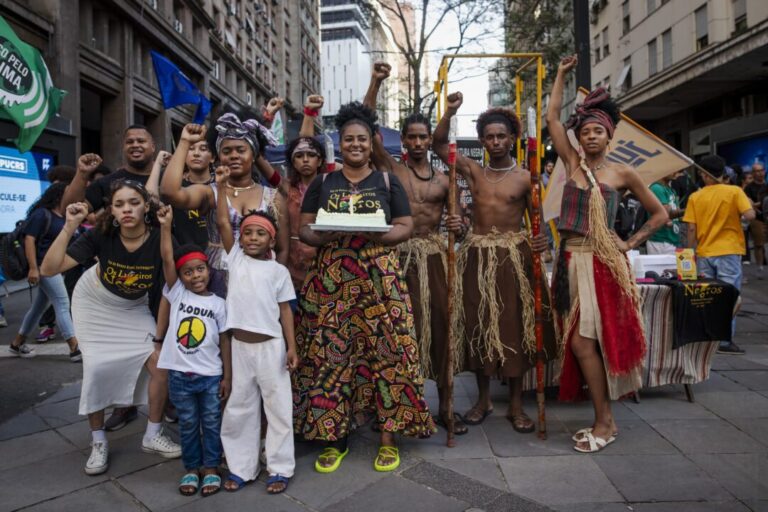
(360,221)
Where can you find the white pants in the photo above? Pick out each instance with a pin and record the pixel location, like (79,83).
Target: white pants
(660,247)
(259,372)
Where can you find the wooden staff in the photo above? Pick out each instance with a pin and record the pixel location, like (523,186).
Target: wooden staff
(533,167)
(450,441)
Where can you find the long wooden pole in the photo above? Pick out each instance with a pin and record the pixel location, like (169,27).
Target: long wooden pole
(450,441)
(534,162)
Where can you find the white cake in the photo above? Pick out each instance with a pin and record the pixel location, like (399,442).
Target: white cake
(352,220)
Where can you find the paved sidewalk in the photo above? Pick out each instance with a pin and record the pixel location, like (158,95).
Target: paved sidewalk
(671,455)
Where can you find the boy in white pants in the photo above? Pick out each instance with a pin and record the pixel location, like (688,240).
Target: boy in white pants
(263,352)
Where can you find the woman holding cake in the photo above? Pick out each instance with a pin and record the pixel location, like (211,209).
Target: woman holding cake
(357,350)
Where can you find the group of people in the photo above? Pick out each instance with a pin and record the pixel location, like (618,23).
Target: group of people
(211,286)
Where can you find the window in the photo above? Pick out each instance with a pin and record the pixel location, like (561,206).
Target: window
(596,49)
(739,16)
(249,98)
(625,77)
(666,49)
(651,5)
(606,47)
(216,71)
(702,38)
(653,66)
(625,17)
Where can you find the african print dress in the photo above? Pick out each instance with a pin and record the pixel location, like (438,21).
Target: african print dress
(356,340)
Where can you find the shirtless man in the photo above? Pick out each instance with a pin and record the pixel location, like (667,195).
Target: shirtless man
(422,256)
(494,300)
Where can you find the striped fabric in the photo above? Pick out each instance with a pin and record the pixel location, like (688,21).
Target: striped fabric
(663,365)
(574,212)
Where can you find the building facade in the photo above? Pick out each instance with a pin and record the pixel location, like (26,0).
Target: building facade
(352,40)
(239,53)
(691,71)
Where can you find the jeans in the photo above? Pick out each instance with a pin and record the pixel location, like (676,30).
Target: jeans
(49,290)
(725,268)
(197,402)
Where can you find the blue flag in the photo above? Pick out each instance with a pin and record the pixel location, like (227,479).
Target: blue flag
(176,89)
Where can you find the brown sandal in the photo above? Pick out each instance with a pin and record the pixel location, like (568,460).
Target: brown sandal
(522,423)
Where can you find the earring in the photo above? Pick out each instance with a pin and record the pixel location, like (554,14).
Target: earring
(147,218)
(115,222)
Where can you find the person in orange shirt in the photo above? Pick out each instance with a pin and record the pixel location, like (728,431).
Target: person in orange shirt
(713,215)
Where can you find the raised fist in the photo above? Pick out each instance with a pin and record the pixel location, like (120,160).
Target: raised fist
(76,213)
(88,163)
(454,101)
(381,70)
(222,174)
(165,215)
(162,159)
(314,102)
(275,104)
(567,63)
(193,133)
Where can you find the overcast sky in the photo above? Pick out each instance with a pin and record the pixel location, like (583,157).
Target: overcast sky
(475,84)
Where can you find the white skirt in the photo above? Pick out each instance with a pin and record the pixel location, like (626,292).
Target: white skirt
(115,337)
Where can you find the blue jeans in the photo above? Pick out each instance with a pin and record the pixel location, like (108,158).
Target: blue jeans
(49,290)
(197,402)
(725,268)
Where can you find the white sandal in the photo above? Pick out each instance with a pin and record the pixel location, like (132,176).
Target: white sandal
(595,443)
(579,434)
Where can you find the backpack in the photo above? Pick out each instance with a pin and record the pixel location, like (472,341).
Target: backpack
(12,257)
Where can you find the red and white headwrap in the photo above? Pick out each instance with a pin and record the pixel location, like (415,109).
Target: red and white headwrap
(587,112)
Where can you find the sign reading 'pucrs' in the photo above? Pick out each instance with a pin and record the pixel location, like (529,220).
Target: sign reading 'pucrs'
(27,94)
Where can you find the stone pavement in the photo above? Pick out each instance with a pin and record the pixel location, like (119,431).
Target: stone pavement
(671,455)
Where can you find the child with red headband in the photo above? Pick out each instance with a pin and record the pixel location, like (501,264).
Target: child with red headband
(196,353)
(263,351)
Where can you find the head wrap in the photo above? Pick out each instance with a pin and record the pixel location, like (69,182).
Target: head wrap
(194,255)
(587,112)
(260,221)
(302,147)
(229,126)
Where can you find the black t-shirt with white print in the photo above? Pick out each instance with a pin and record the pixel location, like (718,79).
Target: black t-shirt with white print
(335,193)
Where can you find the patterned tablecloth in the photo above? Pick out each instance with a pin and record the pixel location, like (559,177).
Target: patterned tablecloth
(663,365)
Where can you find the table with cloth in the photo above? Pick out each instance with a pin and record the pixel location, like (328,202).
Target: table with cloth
(664,364)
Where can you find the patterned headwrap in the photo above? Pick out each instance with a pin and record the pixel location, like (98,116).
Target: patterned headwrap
(230,127)
(587,112)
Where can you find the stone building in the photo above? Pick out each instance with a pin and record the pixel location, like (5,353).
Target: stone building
(237,52)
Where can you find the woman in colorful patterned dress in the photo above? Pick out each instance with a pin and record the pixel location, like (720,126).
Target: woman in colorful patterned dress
(356,337)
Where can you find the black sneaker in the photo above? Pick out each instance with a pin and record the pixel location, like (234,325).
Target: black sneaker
(120,417)
(731,349)
(76,356)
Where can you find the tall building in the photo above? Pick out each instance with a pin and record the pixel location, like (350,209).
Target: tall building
(352,40)
(692,71)
(237,52)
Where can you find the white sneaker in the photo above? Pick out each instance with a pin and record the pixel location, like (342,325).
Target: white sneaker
(99,459)
(162,445)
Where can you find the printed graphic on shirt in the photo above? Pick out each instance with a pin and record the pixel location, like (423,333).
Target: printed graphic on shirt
(128,279)
(190,334)
(364,201)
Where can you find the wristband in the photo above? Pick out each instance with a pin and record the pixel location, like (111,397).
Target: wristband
(275,179)
(310,112)
(268,116)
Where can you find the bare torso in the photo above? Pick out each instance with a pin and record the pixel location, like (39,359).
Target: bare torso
(499,199)
(426,198)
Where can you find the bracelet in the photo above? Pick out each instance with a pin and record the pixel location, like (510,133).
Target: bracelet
(155,339)
(310,112)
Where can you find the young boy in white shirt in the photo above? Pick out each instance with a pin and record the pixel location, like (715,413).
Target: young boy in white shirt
(196,353)
(263,351)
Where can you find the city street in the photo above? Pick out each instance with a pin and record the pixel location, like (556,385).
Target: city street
(711,455)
